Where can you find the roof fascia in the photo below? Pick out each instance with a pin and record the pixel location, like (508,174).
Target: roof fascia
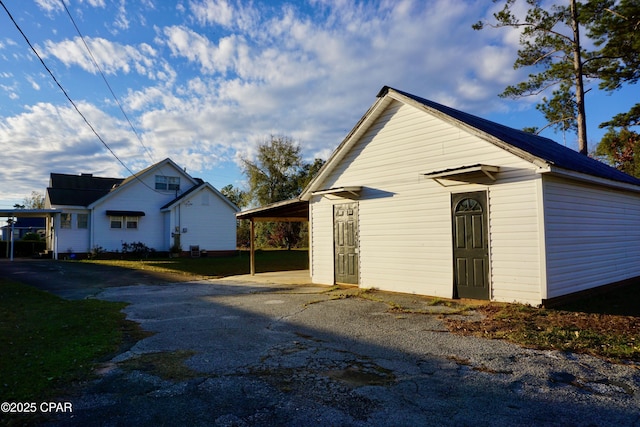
(583,177)
(349,141)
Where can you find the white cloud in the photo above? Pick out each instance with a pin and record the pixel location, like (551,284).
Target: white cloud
(221,76)
(213,12)
(197,48)
(111,57)
(46,138)
(50,5)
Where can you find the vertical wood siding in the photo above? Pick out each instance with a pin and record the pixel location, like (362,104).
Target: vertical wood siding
(405,234)
(593,236)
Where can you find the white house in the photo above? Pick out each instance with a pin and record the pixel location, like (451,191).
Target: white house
(160,207)
(421,198)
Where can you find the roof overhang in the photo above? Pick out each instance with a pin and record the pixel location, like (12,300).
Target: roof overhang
(27,213)
(588,178)
(475,174)
(294,210)
(349,192)
(124,213)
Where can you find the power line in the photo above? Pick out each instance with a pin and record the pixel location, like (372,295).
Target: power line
(69,98)
(93,59)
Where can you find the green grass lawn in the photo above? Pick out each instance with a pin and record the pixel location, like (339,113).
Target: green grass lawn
(266,260)
(47,342)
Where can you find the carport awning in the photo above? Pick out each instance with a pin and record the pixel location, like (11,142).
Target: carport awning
(294,210)
(125,213)
(27,213)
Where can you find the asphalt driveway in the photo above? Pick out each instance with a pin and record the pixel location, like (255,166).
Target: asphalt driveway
(76,280)
(265,354)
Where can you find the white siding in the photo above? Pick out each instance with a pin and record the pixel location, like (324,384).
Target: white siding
(321,251)
(207,216)
(592,234)
(73,240)
(405,220)
(135,197)
(210,222)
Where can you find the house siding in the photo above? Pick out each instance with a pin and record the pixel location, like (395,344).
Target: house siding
(210,226)
(73,240)
(136,197)
(592,235)
(405,234)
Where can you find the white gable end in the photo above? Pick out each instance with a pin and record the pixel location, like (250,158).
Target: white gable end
(405,224)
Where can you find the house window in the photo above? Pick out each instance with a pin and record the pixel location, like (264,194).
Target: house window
(65,220)
(132,222)
(82,221)
(116,222)
(171,183)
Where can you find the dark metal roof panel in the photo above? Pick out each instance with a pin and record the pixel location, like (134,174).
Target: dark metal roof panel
(79,190)
(292,209)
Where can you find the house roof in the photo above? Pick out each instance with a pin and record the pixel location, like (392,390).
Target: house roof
(543,148)
(79,190)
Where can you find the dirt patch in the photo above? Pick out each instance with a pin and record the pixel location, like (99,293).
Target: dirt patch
(614,337)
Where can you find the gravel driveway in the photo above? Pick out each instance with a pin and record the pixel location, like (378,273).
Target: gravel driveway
(264,354)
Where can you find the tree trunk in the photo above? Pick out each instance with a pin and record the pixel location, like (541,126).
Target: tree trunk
(577,66)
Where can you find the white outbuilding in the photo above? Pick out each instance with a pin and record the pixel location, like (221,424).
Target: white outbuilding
(422,198)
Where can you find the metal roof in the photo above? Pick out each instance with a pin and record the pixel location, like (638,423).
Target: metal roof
(287,210)
(79,190)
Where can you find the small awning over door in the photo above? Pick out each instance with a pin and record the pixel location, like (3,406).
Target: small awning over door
(475,174)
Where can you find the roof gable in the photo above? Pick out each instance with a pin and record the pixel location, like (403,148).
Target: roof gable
(201,186)
(139,177)
(533,148)
(540,147)
(78,190)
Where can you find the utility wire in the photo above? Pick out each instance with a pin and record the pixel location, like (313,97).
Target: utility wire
(95,63)
(69,98)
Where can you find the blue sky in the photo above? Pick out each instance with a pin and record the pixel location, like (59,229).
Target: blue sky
(205,81)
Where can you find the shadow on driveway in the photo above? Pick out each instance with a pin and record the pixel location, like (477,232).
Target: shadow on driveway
(76,280)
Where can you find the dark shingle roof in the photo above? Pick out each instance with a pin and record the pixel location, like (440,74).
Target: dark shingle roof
(538,146)
(79,190)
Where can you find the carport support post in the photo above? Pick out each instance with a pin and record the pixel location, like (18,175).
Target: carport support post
(252,260)
(12,226)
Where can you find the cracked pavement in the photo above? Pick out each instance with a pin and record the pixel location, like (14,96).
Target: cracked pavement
(264,354)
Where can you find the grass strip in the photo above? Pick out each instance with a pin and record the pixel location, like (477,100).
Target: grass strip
(48,342)
(266,260)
